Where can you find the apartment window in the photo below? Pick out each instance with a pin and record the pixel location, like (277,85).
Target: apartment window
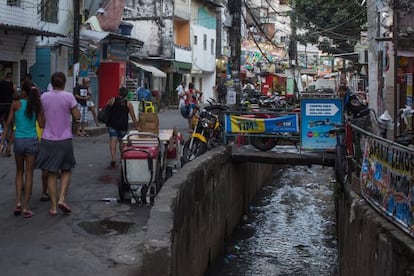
(195,40)
(49,10)
(212,46)
(205,42)
(282,39)
(15,3)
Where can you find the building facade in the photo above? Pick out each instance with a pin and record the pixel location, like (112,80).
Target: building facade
(23,25)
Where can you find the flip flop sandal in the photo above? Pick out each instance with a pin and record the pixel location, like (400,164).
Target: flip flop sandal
(18,210)
(65,208)
(53,213)
(27,213)
(45,197)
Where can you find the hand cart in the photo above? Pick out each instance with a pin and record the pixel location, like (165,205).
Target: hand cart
(141,167)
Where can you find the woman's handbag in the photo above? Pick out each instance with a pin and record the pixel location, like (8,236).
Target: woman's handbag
(104,114)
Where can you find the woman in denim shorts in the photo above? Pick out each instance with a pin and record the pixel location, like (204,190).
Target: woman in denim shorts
(117,125)
(24,113)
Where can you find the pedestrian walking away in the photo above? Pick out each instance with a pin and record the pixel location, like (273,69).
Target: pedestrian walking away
(56,146)
(23,115)
(118,121)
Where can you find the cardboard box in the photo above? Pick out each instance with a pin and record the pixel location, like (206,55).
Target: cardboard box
(148,122)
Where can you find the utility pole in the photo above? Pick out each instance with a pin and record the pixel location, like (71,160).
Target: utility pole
(293,49)
(76,25)
(76,50)
(395,43)
(234,7)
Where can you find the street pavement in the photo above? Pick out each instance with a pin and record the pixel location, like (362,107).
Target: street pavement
(100,237)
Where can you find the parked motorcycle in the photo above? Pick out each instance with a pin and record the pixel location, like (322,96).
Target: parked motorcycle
(250,97)
(274,101)
(354,106)
(206,134)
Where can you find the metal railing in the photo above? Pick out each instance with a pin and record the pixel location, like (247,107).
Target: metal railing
(386,173)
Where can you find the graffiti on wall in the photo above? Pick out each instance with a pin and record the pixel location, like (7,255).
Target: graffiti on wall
(387,181)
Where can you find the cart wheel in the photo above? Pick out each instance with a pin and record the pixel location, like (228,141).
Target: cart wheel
(158,177)
(168,172)
(144,190)
(152,195)
(122,188)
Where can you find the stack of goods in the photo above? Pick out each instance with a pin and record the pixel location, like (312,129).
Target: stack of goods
(148,122)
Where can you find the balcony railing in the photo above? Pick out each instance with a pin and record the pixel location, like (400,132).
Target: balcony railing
(182,54)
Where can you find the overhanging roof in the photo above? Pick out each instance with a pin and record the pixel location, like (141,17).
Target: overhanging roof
(97,37)
(28,30)
(149,68)
(69,43)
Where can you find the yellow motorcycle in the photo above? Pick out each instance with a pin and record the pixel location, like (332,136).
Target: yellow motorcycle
(207,133)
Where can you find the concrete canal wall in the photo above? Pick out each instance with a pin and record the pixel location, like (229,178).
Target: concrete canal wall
(201,205)
(196,210)
(368,243)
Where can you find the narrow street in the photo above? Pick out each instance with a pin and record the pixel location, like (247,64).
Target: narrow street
(100,237)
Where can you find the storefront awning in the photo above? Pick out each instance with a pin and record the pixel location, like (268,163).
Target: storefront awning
(149,68)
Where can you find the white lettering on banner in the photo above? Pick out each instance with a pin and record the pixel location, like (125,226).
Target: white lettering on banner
(321,109)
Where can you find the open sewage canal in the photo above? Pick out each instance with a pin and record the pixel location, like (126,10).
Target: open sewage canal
(288,230)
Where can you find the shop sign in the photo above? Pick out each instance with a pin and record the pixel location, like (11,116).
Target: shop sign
(115,51)
(244,124)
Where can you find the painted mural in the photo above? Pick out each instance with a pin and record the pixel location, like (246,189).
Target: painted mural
(252,56)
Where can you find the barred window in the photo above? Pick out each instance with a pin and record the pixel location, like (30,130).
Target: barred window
(49,10)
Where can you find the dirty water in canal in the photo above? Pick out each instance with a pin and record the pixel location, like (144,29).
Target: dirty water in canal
(288,230)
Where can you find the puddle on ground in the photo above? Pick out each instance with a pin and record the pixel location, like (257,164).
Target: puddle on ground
(106,227)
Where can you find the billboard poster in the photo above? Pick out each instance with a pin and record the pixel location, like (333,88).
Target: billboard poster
(386,181)
(245,124)
(318,116)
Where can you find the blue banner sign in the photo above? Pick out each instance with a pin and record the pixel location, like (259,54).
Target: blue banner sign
(250,124)
(318,116)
